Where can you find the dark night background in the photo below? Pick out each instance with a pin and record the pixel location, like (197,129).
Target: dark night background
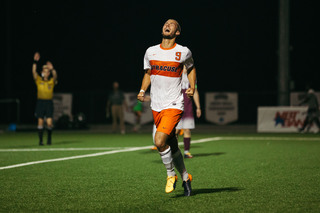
(93,43)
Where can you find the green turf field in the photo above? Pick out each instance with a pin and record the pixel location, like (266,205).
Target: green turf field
(231,173)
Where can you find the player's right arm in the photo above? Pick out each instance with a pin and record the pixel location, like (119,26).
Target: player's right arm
(36,58)
(145,85)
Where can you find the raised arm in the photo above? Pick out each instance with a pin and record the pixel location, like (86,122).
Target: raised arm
(36,58)
(53,71)
(192,80)
(145,85)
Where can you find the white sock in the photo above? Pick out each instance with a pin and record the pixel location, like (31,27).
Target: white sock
(167,161)
(179,164)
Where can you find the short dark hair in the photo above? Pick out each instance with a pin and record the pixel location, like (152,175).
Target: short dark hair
(179,27)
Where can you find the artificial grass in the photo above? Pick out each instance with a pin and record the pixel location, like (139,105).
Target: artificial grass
(239,173)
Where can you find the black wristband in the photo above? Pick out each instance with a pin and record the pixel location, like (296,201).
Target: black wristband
(35,62)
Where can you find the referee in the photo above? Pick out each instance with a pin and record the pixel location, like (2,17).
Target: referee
(45,85)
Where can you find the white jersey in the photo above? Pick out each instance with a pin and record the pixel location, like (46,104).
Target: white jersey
(166,67)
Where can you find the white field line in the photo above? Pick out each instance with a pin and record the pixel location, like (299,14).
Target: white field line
(62,149)
(181,143)
(271,138)
(98,154)
(131,149)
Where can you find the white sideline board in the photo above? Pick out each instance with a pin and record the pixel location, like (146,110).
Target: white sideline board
(282,119)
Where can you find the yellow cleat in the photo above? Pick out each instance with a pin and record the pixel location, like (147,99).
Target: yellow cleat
(154,148)
(171,183)
(188,155)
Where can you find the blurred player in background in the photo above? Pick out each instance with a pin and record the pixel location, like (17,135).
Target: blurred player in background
(45,85)
(163,64)
(137,110)
(187,121)
(313,110)
(117,104)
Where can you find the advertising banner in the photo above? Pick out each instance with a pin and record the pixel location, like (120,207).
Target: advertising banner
(282,119)
(221,108)
(62,103)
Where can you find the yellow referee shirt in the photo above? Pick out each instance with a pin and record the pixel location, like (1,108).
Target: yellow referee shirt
(45,88)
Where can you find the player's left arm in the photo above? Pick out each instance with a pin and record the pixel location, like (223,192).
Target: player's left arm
(196,99)
(53,71)
(192,80)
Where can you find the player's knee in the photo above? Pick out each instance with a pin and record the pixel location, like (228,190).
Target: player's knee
(187,132)
(159,144)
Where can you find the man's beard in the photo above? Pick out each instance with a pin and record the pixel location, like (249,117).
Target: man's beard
(168,36)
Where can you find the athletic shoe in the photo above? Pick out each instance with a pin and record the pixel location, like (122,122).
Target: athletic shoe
(154,148)
(40,143)
(171,183)
(188,155)
(187,186)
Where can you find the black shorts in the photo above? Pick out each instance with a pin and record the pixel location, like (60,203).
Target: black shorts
(44,108)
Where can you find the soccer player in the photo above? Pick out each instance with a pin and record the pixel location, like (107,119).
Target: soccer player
(137,110)
(187,121)
(45,85)
(116,102)
(313,112)
(163,65)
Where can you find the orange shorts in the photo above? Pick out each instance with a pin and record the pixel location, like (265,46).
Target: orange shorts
(167,120)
